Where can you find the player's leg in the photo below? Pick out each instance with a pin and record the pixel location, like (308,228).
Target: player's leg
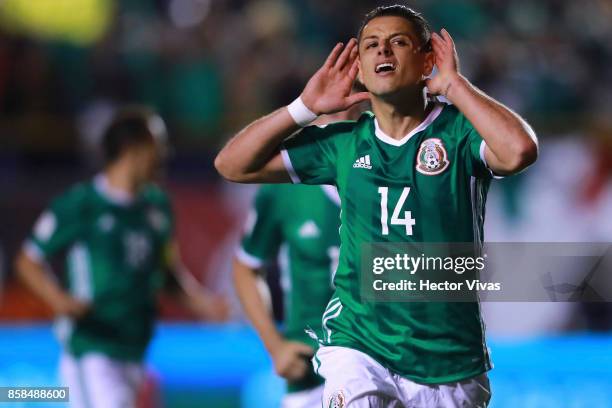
(109,383)
(310,398)
(471,393)
(71,378)
(354,379)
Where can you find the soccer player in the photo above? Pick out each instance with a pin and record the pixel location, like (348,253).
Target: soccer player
(298,225)
(411,171)
(117,232)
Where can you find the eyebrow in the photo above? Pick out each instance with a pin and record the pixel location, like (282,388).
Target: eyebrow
(373,36)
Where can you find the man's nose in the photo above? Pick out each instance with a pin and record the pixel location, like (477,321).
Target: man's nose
(384,48)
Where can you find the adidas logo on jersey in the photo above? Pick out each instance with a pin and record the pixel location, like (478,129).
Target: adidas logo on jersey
(363,163)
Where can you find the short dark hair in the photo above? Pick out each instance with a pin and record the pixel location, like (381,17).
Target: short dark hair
(131,126)
(419,23)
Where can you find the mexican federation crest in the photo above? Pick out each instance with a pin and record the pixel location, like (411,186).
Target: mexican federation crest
(432,158)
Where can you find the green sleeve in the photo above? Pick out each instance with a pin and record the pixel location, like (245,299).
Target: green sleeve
(58,227)
(262,233)
(473,151)
(310,156)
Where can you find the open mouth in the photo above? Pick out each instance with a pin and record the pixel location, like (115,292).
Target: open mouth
(385,67)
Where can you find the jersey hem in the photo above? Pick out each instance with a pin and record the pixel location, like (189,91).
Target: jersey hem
(419,380)
(135,357)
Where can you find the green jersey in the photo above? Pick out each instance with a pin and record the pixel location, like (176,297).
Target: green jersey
(429,186)
(298,226)
(116,252)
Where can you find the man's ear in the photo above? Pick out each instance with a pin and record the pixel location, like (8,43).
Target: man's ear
(428,63)
(359,76)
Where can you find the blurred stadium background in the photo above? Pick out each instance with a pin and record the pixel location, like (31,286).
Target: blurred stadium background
(211,66)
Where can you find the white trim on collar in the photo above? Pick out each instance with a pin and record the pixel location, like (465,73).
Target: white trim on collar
(111,194)
(394,142)
(332,193)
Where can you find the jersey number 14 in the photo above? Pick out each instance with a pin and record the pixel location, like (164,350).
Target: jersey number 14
(396,219)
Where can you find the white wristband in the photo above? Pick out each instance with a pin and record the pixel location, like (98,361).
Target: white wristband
(300,113)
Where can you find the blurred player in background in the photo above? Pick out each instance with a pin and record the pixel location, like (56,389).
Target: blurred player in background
(298,226)
(117,232)
(414,171)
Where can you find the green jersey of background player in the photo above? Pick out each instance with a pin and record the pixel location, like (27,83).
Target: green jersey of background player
(298,226)
(117,233)
(413,171)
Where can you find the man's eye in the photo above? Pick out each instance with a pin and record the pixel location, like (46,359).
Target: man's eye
(399,42)
(370,45)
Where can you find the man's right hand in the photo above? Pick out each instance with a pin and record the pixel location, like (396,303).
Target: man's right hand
(291,359)
(329,89)
(253,155)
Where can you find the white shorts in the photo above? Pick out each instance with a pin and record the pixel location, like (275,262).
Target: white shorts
(304,399)
(355,380)
(97,381)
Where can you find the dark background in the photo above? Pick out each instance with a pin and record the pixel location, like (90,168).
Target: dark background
(211,66)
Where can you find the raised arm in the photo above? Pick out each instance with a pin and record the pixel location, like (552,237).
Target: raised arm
(511,143)
(253,155)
